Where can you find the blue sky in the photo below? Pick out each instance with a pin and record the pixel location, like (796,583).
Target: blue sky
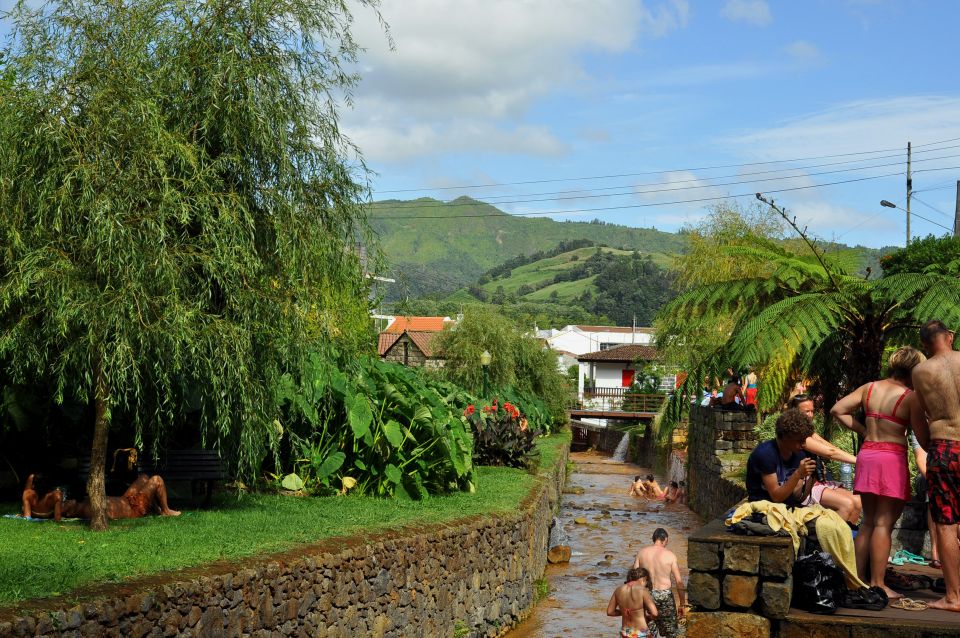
(487,92)
(564,91)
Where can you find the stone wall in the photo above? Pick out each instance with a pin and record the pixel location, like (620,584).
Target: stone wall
(718,445)
(471,578)
(740,573)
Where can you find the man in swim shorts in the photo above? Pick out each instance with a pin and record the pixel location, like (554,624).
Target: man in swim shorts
(935,420)
(633,603)
(663,568)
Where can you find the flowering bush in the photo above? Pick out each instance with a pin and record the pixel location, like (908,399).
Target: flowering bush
(501,435)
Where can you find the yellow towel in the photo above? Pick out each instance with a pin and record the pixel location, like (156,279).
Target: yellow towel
(833,533)
(778,517)
(835,538)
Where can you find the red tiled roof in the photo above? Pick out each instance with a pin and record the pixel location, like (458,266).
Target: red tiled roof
(625,353)
(418,324)
(424,341)
(385,341)
(620,329)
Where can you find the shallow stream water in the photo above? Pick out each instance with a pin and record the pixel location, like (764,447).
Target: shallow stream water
(613,527)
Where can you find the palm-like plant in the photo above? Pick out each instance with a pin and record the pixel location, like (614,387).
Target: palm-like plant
(804,315)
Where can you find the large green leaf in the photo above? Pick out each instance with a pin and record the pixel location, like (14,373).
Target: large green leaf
(330,465)
(393,473)
(393,432)
(360,416)
(292,482)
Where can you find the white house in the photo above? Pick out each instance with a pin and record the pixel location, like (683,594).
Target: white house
(574,340)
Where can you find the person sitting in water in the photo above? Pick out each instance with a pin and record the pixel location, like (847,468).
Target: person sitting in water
(670,496)
(778,470)
(41,499)
(145,494)
(654,491)
(682,493)
(634,604)
(638,488)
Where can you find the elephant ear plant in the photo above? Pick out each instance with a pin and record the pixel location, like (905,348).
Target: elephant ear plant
(375,427)
(501,435)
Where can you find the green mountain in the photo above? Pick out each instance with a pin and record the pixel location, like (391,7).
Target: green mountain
(439,247)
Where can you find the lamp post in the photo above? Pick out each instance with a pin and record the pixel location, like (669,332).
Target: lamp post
(485,366)
(888,204)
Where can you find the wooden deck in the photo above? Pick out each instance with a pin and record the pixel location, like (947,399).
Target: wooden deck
(889,623)
(609,414)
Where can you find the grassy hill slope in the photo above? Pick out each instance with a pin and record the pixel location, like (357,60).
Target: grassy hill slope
(466,237)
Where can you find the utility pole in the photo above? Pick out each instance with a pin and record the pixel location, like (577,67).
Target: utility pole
(956,213)
(909,191)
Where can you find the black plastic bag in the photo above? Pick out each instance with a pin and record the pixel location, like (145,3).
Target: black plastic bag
(816,583)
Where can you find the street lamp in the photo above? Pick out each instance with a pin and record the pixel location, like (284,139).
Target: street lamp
(888,204)
(485,366)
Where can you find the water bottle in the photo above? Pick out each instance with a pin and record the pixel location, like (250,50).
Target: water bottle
(846,475)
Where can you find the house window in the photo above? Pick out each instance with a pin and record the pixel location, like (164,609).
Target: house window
(626,378)
(607,346)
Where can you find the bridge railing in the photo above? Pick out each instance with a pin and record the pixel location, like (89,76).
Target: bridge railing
(620,399)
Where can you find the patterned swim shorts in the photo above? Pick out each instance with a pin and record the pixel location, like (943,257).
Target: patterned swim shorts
(666,621)
(943,477)
(629,632)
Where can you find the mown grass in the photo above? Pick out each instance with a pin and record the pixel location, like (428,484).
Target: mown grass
(47,559)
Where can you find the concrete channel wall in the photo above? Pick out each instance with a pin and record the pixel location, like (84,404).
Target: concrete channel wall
(469,578)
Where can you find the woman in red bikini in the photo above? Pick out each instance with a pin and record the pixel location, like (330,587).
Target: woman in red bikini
(634,604)
(882,476)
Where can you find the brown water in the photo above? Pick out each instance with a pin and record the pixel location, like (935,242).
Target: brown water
(617,525)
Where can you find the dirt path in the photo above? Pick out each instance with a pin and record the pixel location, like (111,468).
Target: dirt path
(616,526)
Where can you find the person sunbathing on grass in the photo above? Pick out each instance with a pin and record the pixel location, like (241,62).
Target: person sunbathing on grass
(145,494)
(41,499)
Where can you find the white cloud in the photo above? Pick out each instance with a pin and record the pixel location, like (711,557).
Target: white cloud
(389,143)
(478,65)
(804,52)
(755,12)
(863,125)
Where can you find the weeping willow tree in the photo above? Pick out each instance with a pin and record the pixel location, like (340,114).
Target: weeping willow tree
(179,208)
(795,311)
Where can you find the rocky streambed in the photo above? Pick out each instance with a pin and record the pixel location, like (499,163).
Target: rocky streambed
(604,528)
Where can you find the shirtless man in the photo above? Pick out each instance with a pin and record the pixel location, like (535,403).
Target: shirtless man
(663,567)
(146,494)
(633,603)
(639,487)
(935,420)
(41,500)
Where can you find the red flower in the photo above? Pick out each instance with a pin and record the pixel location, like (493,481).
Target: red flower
(470,410)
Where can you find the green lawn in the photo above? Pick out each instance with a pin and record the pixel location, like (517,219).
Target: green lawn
(46,559)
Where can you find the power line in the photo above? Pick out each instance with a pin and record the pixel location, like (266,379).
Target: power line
(668,203)
(914,197)
(660,172)
(633,191)
(489,199)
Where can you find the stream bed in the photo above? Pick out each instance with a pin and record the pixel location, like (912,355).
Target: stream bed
(612,527)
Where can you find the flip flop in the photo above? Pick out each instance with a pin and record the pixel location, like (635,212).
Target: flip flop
(903,556)
(909,604)
(936,564)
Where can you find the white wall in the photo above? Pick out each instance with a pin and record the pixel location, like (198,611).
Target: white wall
(574,340)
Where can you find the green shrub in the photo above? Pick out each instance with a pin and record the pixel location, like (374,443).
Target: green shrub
(376,428)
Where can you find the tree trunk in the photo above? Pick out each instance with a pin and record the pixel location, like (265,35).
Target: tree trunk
(96,484)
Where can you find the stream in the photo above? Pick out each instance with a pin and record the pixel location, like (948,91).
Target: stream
(613,526)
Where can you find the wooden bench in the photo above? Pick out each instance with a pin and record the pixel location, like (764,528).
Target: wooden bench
(196,466)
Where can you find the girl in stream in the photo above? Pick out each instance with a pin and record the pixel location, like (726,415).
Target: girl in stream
(633,603)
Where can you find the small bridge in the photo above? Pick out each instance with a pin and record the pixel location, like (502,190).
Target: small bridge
(609,404)
(618,404)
